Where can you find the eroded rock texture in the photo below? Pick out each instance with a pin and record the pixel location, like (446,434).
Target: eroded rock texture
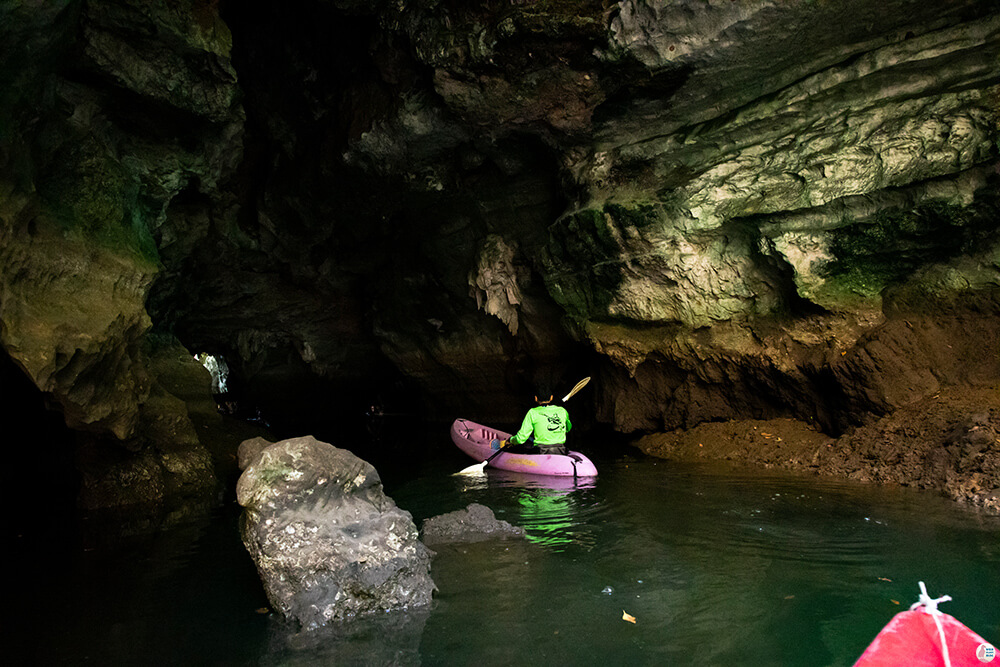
(328,543)
(722,210)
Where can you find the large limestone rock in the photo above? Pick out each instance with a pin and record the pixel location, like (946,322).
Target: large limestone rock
(328,543)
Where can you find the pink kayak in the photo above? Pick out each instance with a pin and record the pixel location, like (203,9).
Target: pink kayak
(474,439)
(926,637)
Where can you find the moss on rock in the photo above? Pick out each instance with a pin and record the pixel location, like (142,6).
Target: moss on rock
(868,257)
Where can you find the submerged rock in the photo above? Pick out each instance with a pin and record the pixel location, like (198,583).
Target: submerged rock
(328,543)
(473,524)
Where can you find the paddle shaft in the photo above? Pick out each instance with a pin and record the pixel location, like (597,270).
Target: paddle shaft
(478,467)
(494,455)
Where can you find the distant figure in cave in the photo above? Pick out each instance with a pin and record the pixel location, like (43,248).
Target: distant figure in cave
(375,419)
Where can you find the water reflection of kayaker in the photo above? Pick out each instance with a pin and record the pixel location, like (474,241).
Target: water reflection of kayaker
(549,517)
(544,428)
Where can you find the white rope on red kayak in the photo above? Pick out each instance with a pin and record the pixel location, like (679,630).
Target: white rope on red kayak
(930,606)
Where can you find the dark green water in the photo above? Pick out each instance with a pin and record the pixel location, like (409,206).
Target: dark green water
(717,567)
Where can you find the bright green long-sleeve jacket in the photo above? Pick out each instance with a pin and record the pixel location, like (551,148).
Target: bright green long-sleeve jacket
(548,423)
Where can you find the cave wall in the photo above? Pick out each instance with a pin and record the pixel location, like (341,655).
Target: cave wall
(111,113)
(721,210)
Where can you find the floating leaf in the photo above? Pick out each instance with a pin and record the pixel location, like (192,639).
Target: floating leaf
(627,616)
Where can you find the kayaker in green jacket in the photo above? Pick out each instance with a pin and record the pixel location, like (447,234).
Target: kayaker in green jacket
(544,428)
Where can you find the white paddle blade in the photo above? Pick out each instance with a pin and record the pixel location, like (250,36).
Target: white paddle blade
(579,385)
(474,469)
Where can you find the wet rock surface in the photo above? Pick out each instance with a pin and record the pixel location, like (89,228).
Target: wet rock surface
(328,543)
(475,523)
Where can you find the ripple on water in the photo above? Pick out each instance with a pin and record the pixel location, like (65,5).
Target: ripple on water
(796,570)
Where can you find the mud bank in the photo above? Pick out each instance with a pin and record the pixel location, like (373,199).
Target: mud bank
(948,443)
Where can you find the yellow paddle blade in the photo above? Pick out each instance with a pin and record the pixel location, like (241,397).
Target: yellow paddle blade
(579,385)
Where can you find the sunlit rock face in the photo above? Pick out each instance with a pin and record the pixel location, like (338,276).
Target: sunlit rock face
(720,209)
